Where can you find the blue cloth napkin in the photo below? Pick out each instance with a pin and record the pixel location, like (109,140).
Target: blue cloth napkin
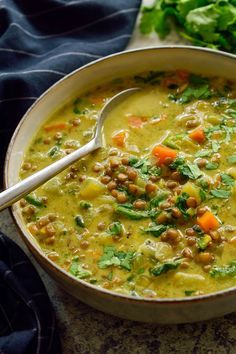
(40,42)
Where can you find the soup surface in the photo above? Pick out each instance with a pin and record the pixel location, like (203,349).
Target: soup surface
(152,213)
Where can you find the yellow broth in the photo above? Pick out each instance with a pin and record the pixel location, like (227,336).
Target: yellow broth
(152,213)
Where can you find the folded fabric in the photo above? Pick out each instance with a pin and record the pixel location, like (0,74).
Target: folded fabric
(27,320)
(42,41)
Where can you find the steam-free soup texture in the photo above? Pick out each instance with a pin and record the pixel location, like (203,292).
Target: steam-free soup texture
(152,213)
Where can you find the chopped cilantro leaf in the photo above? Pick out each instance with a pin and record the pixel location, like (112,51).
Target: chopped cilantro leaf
(155,230)
(112,257)
(115,228)
(186,169)
(212,166)
(232,159)
(220,193)
(77,270)
(130,213)
(224,271)
(227,179)
(165,267)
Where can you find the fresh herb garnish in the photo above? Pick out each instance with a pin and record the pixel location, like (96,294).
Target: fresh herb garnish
(227,179)
(32,199)
(144,167)
(115,228)
(161,195)
(85,205)
(224,271)
(212,166)
(186,169)
(79,221)
(112,257)
(53,151)
(165,267)
(203,23)
(182,205)
(220,193)
(77,270)
(127,211)
(155,230)
(232,159)
(189,292)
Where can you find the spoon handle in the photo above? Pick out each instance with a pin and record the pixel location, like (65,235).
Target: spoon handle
(22,188)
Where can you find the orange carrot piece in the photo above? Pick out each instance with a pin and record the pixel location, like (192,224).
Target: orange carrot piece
(198,135)
(135,122)
(162,152)
(97,100)
(57,126)
(182,74)
(208,221)
(119,138)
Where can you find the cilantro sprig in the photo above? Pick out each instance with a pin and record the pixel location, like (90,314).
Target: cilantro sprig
(202,22)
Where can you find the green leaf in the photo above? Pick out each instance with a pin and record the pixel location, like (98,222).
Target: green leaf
(116,228)
(212,166)
(34,200)
(77,270)
(165,267)
(161,195)
(112,257)
(203,21)
(187,169)
(189,292)
(79,221)
(155,230)
(85,205)
(131,214)
(232,159)
(53,151)
(190,170)
(203,153)
(185,6)
(220,193)
(227,179)
(224,271)
(182,205)
(191,93)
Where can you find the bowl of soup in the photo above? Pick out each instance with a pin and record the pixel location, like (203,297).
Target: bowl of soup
(143,228)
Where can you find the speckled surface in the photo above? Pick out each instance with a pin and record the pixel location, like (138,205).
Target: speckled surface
(84,330)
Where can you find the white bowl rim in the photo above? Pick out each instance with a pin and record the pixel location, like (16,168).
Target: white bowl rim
(96,289)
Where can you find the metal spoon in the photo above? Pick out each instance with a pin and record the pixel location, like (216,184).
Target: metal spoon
(22,188)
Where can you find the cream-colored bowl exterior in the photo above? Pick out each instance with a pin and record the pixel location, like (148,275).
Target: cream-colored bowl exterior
(164,311)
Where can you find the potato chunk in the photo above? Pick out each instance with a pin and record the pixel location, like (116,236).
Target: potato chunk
(91,188)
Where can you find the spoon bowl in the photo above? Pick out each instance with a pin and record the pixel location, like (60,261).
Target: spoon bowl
(22,188)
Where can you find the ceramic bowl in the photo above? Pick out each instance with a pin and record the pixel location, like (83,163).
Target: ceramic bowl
(198,60)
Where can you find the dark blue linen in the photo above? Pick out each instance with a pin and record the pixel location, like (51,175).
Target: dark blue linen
(27,320)
(40,42)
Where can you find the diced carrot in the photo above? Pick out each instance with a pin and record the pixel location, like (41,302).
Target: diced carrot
(162,152)
(135,122)
(198,135)
(208,221)
(57,126)
(97,100)
(119,138)
(182,74)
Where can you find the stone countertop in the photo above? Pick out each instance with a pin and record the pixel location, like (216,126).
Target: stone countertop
(85,330)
